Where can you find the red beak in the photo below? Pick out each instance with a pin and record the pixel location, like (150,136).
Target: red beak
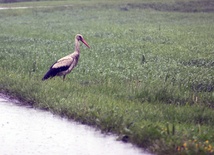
(85,43)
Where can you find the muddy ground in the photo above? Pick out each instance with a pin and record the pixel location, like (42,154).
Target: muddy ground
(179,6)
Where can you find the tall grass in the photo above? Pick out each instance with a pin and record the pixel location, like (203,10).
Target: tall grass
(148,76)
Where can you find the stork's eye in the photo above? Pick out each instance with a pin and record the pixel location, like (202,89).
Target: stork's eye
(80,38)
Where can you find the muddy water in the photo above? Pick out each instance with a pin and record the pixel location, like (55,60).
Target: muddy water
(26,131)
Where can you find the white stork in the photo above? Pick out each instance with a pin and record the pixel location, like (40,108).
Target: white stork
(65,65)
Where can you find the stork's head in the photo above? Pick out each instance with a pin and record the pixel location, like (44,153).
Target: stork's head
(79,37)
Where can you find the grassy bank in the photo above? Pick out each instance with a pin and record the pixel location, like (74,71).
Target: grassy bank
(147,77)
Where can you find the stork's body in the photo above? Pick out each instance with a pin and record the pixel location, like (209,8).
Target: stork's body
(65,65)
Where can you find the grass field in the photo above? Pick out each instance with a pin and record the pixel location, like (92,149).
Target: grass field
(148,76)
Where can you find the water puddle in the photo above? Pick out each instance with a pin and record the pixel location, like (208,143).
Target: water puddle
(28,131)
(30,7)
(8,8)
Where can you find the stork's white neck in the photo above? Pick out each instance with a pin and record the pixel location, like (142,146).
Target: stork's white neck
(77,45)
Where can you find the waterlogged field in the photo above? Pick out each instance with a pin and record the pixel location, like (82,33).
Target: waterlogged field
(148,76)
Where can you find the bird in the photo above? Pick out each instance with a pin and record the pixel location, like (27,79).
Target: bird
(66,64)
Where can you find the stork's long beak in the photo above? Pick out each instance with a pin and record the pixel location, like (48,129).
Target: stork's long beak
(85,43)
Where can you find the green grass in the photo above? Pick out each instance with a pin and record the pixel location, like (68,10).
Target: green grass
(148,76)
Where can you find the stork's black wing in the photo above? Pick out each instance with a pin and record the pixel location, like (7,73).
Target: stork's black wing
(54,71)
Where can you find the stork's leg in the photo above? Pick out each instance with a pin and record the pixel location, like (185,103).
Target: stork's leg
(63,77)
